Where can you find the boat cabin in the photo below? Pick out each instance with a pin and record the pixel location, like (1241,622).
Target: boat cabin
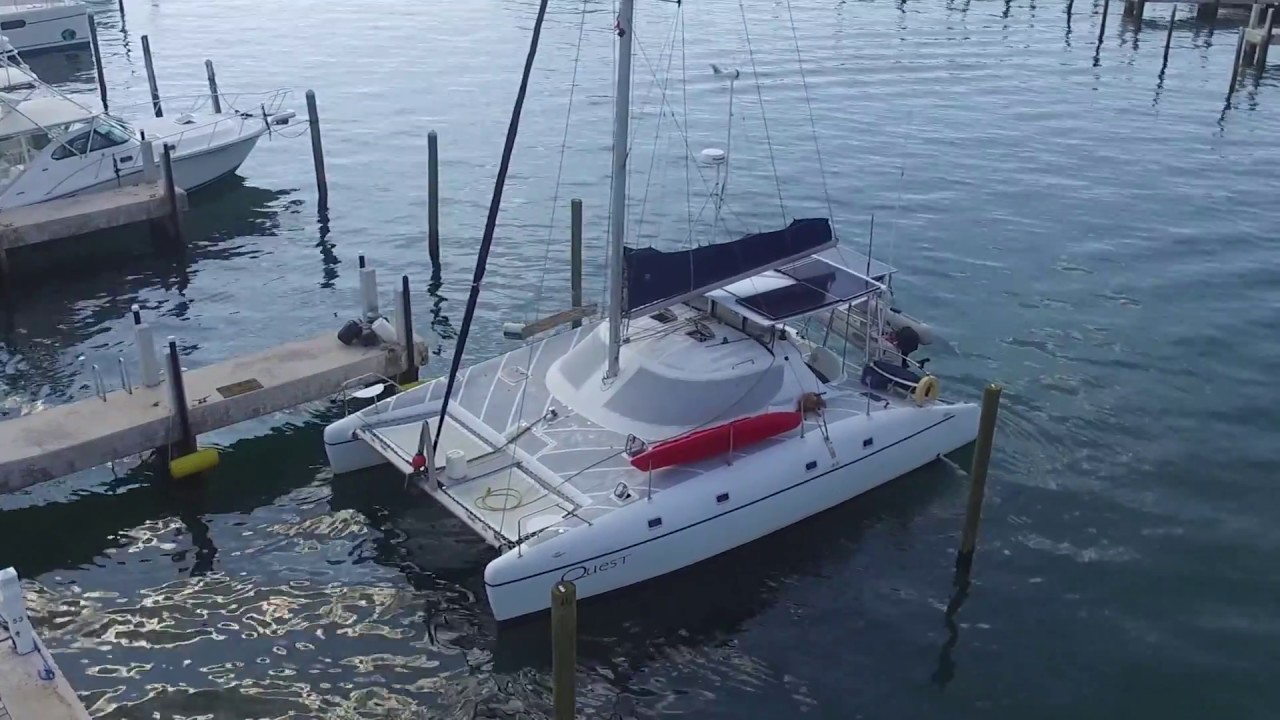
(709,339)
(45,133)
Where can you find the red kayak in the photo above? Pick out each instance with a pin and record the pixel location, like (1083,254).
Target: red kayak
(709,442)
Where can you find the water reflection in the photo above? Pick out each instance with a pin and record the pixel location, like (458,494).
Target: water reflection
(98,277)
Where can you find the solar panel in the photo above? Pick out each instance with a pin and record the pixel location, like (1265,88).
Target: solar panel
(818,284)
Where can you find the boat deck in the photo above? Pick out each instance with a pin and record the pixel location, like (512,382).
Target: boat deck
(533,462)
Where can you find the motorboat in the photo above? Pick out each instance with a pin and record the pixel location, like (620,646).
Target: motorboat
(54,146)
(704,412)
(37,26)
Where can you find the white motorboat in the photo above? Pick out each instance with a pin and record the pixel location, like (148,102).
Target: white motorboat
(53,146)
(45,24)
(700,416)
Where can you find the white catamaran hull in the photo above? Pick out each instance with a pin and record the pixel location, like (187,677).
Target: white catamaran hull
(624,547)
(690,522)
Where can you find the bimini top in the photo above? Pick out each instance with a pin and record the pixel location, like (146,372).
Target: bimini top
(657,279)
(795,290)
(40,113)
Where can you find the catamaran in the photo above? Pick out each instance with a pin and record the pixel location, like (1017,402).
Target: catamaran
(706,411)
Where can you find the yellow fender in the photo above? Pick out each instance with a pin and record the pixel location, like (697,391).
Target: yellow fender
(926,390)
(193,464)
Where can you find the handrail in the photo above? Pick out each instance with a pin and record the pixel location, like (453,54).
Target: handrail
(250,103)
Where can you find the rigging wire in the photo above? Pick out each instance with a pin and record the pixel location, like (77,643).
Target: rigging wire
(657,130)
(546,262)
(813,126)
(491,222)
(684,104)
(688,149)
(763,116)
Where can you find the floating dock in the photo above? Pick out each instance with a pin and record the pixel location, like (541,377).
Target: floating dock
(31,684)
(65,439)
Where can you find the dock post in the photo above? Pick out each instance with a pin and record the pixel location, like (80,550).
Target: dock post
(14,610)
(97,59)
(575,255)
(1106,7)
(317,152)
(1207,12)
(433,198)
(144,338)
(405,332)
(564,648)
(1237,61)
(1134,9)
(173,217)
(1168,36)
(151,76)
(150,170)
(121,12)
(213,86)
(178,402)
(978,482)
(1264,43)
(368,292)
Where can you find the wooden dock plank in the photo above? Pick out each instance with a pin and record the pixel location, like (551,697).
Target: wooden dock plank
(65,439)
(68,217)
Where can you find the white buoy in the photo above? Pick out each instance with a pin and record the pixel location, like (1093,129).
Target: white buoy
(513,331)
(455,465)
(713,156)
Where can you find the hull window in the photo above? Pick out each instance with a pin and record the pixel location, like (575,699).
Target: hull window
(13,24)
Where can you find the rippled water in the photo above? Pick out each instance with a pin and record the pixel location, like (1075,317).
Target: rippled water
(1087,229)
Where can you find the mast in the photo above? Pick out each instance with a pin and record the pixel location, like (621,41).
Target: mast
(490,226)
(618,199)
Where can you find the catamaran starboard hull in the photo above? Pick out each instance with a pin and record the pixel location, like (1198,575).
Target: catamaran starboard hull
(674,530)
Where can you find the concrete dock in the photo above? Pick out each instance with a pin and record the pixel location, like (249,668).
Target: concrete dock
(68,217)
(69,438)
(31,684)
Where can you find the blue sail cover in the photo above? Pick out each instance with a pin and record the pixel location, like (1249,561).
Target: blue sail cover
(657,279)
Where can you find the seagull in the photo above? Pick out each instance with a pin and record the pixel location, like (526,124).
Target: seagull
(733,73)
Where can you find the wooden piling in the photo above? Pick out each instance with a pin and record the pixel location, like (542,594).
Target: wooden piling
(317,153)
(978,482)
(575,255)
(1207,12)
(1102,28)
(186,442)
(1139,7)
(1264,43)
(1236,61)
(433,198)
(213,86)
(151,77)
(97,59)
(405,333)
(1168,36)
(121,12)
(564,649)
(173,218)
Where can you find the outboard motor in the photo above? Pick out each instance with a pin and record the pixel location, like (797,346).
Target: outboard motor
(907,340)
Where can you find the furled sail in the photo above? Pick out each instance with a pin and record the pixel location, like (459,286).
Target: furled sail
(657,279)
